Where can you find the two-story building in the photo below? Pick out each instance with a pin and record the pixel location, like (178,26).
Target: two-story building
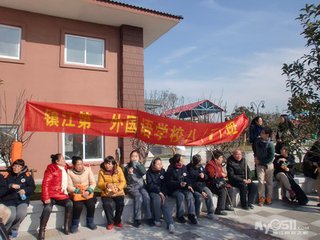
(88,52)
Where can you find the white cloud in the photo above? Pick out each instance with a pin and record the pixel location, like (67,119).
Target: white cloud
(260,79)
(177,54)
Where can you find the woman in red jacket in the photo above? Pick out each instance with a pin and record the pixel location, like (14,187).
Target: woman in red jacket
(217,183)
(54,191)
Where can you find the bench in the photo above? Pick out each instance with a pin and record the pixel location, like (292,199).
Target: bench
(32,220)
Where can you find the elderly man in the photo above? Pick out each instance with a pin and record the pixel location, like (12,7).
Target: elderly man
(238,175)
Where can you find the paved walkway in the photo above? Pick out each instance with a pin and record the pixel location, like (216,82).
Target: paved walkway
(278,221)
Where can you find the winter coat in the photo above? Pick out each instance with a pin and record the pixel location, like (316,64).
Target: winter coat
(52,184)
(289,161)
(156,181)
(113,178)
(264,151)
(196,182)
(254,132)
(85,179)
(311,160)
(236,170)
(174,176)
(135,180)
(25,180)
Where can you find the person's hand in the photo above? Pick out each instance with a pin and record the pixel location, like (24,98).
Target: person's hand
(224,174)
(201,175)
(22,191)
(247,181)
(191,189)
(163,198)
(15,186)
(85,194)
(130,171)
(204,194)
(47,201)
(183,184)
(284,167)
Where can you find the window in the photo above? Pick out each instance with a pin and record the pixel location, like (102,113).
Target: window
(90,151)
(84,51)
(10,38)
(8,133)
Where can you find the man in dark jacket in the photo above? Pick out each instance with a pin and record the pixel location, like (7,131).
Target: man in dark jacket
(238,175)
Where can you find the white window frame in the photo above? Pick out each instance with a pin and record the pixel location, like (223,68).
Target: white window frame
(103,57)
(84,149)
(19,47)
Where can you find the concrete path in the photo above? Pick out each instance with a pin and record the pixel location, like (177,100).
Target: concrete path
(278,221)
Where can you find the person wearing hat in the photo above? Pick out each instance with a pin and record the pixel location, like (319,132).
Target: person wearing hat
(20,185)
(111,182)
(198,177)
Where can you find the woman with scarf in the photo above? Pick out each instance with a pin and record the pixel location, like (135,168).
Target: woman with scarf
(54,192)
(81,184)
(156,187)
(198,178)
(20,185)
(111,182)
(178,185)
(217,183)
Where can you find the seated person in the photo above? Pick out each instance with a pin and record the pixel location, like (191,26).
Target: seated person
(283,164)
(239,177)
(198,177)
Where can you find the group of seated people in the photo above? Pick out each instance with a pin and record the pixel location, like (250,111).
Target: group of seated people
(73,188)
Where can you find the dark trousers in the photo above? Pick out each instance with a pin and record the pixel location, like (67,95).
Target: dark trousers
(248,192)
(78,206)
(224,196)
(47,209)
(113,204)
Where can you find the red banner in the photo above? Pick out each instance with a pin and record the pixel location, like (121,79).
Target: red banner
(120,122)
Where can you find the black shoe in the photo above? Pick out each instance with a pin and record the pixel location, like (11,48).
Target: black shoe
(220,212)
(229,208)
(250,205)
(181,219)
(150,222)
(192,219)
(245,207)
(137,223)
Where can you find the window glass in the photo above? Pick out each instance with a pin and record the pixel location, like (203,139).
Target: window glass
(91,150)
(84,51)
(10,38)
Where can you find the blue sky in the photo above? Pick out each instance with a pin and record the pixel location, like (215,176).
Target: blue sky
(228,51)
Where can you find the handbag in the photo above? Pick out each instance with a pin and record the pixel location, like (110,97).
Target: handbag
(219,183)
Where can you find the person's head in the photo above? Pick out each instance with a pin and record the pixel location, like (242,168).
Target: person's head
(176,159)
(134,156)
(266,133)
(283,118)
(257,121)
(217,155)
(196,160)
(109,163)
(77,163)
(156,164)
(237,154)
(17,166)
(284,151)
(58,159)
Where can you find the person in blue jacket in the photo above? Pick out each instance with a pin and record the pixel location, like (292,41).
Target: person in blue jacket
(198,178)
(179,187)
(157,189)
(20,186)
